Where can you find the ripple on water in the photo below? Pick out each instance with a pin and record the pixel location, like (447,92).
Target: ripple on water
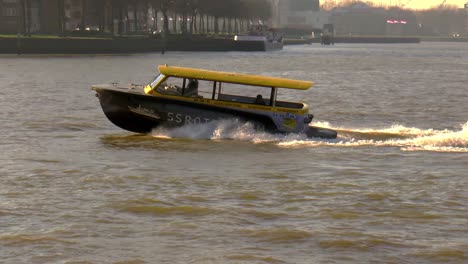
(30,239)
(251,196)
(193,198)
(342,215)
(378,196)
(361,244)
(273,175)
(443,255)
(131,261)
(169,210)
(342,244)
(411,215)
(277,235)
(249,258)
(160,208)
(264,214)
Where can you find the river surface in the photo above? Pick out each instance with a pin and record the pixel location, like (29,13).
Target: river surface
(392,188)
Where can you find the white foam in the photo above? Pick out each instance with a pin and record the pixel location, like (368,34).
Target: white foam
(224,129)
(406,138)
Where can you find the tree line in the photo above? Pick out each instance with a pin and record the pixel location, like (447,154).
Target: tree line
(193,16)
(193,11)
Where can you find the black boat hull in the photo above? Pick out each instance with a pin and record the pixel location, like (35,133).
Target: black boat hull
(135,111)
(141,113)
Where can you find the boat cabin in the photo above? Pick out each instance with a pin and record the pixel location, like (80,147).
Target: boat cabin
(215,87)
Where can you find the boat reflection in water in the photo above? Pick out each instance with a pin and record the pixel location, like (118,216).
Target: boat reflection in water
(181,96)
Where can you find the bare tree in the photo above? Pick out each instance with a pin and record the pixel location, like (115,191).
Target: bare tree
(258,9)
(61,17)
(164,6)
(207,13)
(25,9)
(83,15)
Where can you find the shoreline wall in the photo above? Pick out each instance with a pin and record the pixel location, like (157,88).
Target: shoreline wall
(136,45)
(375,40)
(124,45)
(117,45)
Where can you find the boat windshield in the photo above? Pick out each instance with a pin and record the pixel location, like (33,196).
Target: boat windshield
(157,80)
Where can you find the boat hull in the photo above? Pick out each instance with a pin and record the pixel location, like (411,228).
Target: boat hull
(133,110)
(117,108)
(141,113)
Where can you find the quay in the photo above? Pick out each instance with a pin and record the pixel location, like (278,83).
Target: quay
(354,39)
(131,44)
(123,44)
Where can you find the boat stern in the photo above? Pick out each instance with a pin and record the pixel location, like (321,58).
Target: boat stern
(320,132)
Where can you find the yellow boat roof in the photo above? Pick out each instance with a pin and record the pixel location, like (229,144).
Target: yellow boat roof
(230,77)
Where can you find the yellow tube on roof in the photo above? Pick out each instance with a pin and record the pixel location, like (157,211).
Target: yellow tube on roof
(230,77)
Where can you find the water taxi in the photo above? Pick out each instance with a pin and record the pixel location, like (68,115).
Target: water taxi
(181,96)
(259,38)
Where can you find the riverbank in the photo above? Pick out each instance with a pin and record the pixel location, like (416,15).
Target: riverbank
(354,39)
(129,44)
(444,39)
(11,44)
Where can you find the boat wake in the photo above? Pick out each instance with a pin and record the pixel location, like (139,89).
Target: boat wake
(218,130)
(405,138)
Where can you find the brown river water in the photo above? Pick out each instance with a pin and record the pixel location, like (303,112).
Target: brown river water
(392,188)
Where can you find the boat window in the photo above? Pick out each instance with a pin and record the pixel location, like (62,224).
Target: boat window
(290,98)
(185,87)
(171,86)
(226,92)
(156,80)
(245,94)
(205,88)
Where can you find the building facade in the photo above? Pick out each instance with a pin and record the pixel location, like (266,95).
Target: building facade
(9,16)
(466,19)
(360,19)
(58,16)
(30,16)
(298,15)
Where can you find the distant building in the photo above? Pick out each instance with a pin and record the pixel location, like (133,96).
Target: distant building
(93,14)
(43,16)
(39,16)
(9,15)
(48,13)
(466,19)
(358,19)
(364,20)
(298,15)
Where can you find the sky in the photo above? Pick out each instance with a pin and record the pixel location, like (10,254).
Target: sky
(419,4)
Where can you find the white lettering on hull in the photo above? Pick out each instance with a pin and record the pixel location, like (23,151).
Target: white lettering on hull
(186,119)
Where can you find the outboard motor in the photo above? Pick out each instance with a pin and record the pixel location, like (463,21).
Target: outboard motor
(308,119)
(319,132)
